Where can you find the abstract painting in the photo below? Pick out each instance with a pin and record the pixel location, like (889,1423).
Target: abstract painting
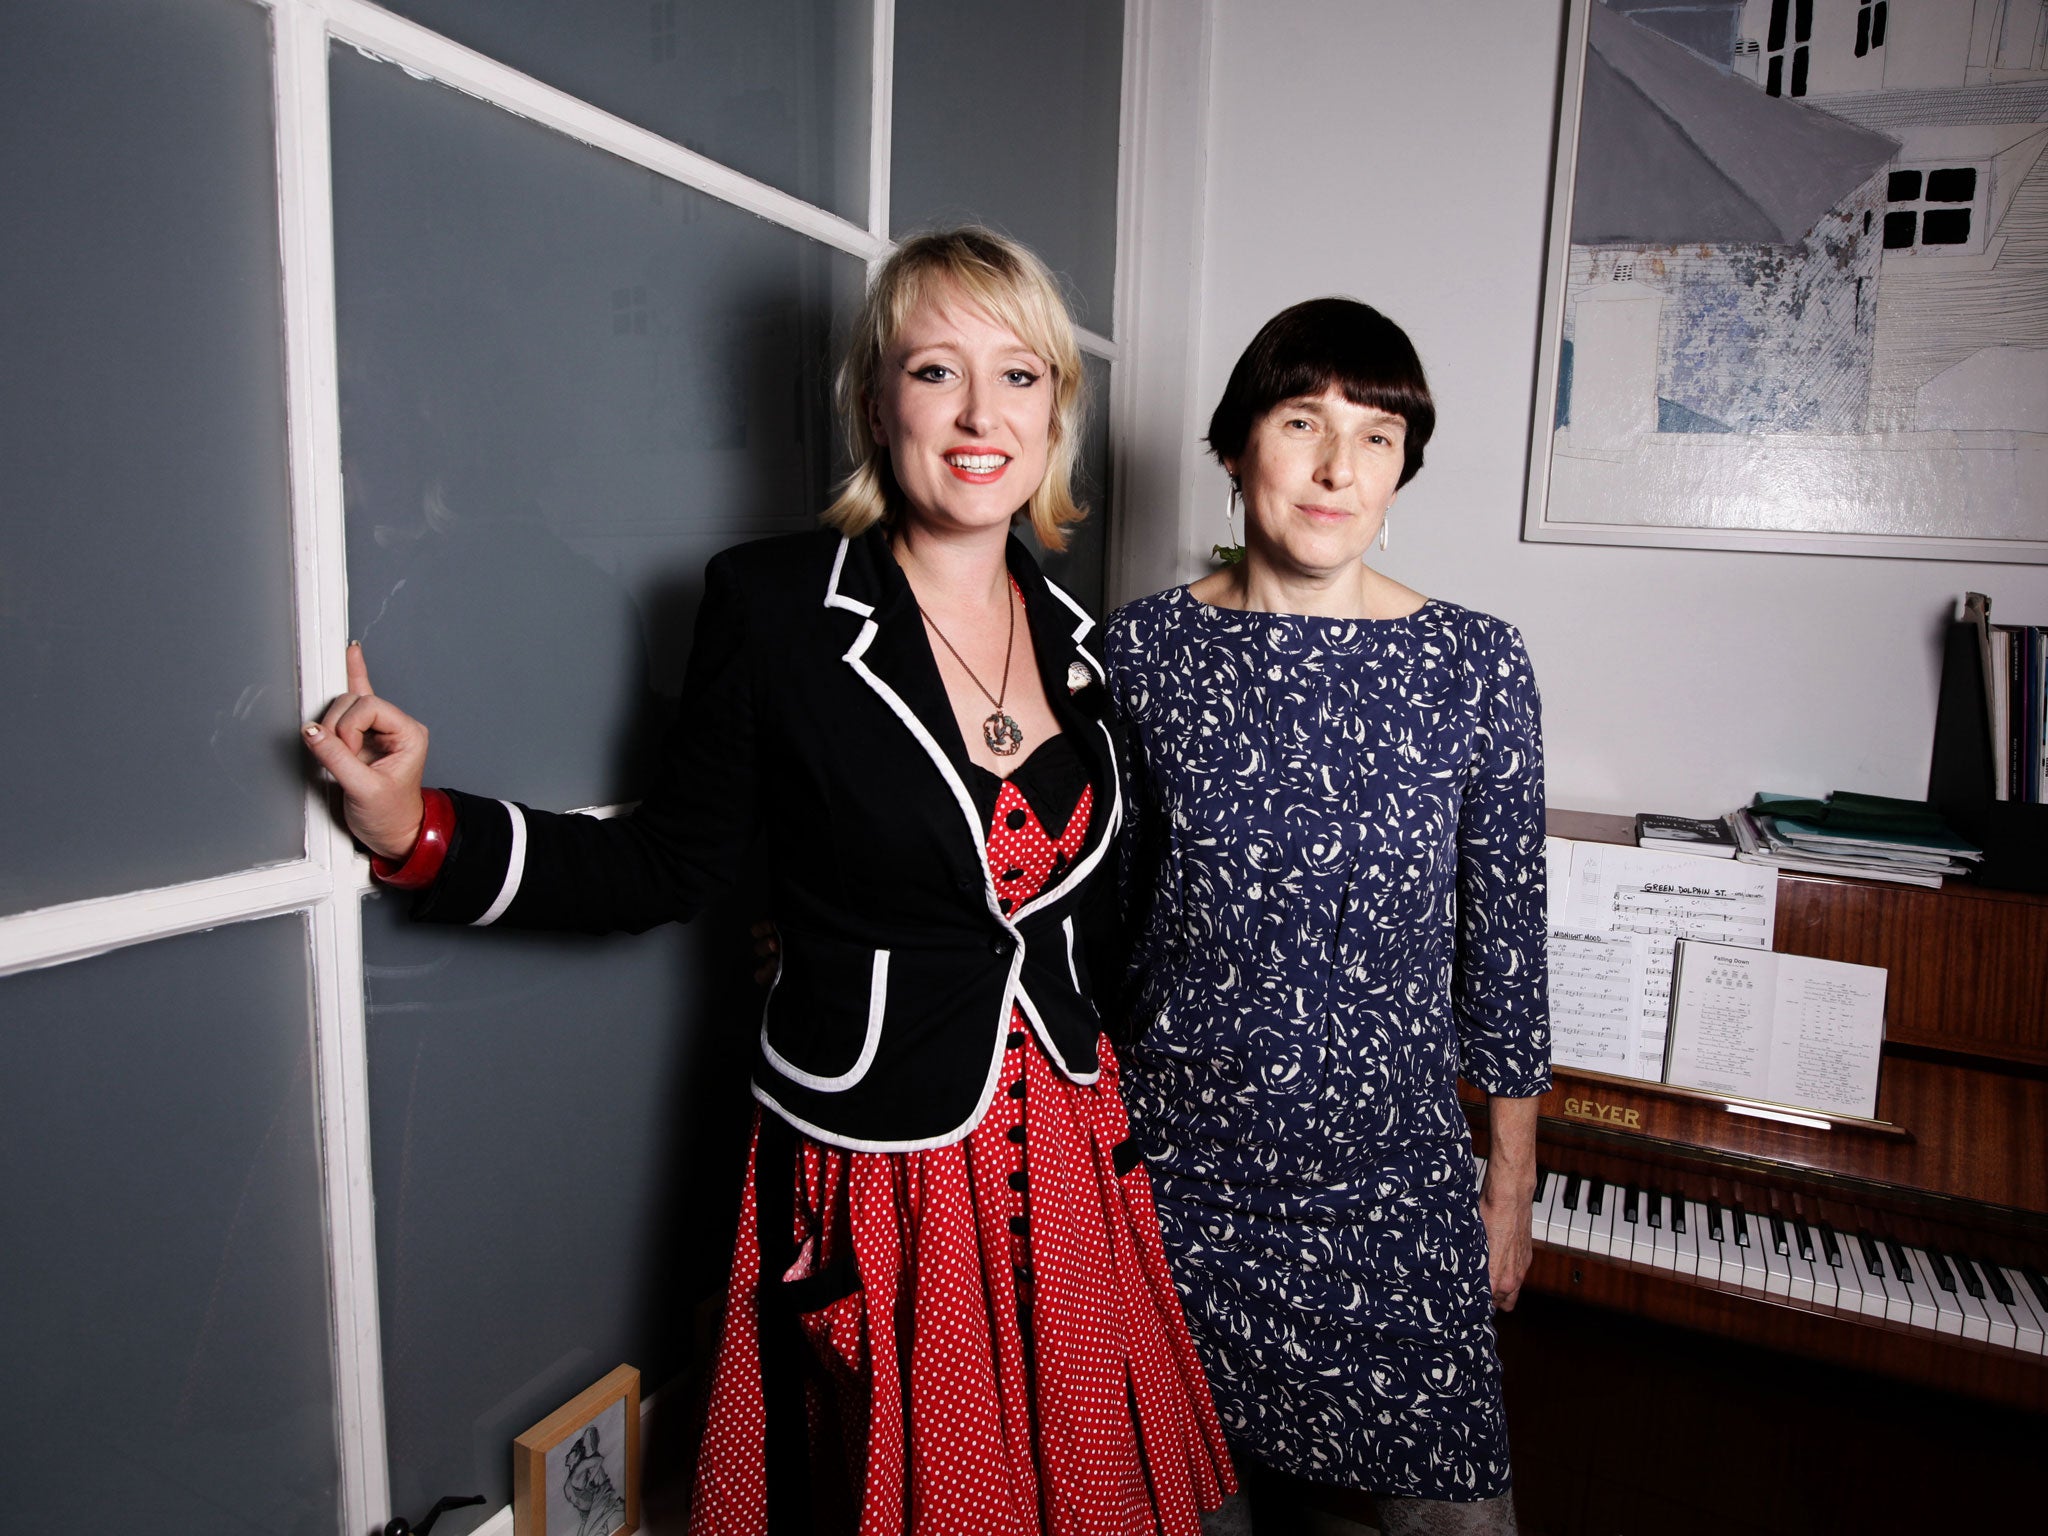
(1798,286)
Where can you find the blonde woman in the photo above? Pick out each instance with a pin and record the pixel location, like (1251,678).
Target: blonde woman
(949,1309)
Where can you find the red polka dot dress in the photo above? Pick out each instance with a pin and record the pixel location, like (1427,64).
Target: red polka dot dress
(985,1339)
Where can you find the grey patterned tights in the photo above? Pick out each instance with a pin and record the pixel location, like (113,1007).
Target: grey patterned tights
(1272,1505)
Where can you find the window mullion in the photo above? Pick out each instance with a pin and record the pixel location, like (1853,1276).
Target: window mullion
(320,548)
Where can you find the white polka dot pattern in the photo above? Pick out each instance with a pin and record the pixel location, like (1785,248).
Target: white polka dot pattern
(1014,1360)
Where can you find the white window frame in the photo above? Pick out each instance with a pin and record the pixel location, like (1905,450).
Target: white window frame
(326,885)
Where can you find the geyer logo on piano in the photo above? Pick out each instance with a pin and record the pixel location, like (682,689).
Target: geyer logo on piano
(1606,1114)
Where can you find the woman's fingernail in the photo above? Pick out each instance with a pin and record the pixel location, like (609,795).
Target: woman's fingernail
(313,733)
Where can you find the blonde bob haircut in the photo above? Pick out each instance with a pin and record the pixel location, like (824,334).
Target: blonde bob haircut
(1001,278)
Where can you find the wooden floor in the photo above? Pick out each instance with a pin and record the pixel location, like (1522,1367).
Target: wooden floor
(1627,1428)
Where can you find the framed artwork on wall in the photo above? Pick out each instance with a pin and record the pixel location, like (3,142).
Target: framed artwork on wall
(1797,291)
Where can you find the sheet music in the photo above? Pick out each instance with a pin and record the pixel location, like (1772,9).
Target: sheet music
(1594,981)
(1783,1028)
(1661,898)
(1830,1031)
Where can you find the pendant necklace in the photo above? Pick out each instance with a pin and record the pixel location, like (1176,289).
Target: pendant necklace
(1002,734)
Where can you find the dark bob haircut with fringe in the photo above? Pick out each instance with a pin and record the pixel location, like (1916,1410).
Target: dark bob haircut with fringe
(1319,345)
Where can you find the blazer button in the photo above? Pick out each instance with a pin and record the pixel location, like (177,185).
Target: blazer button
(999,947)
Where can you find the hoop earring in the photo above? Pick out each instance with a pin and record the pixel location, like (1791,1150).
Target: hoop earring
(1233,552)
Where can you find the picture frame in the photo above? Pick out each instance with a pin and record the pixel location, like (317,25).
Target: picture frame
(1787,304)
(577,1472)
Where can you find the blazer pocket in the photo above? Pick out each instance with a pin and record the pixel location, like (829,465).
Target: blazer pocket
(823,1019)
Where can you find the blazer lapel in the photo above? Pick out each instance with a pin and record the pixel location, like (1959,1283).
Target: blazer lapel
(891,656)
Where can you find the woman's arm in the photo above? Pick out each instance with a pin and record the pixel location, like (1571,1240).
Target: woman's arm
(1500,984)
(506,863)
(1505,1197)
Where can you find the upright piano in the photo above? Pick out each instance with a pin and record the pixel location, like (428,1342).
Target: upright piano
(1915,1248)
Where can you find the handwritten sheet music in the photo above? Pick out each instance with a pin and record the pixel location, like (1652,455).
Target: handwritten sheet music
(1783,1028)
(1648,901)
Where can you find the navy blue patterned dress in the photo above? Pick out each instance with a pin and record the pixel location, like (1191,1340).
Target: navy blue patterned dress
(1336,869)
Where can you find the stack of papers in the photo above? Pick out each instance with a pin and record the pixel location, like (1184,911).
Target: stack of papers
(1876,838)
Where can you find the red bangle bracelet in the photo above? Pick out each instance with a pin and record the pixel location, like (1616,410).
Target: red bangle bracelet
(423,865)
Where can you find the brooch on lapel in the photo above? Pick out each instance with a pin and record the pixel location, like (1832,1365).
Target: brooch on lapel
(1078,676)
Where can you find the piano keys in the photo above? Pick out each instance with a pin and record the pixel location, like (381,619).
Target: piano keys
(1917,1250)
(1801,1257)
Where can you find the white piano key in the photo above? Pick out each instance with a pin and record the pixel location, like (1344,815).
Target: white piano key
(1926,1311)
(1579,1224)
(1876,1291)
(1685,1246)
(1898,1303)
(2031,1326)
(1600,1223)
(1642,1236)
(2003,1331)
(1777,1266)
(1948,1304)
(1751,1253)
(1664,1243)
(1976,1309)
(1827,1279)
(1727,1252)
(1541,1207)
(1801,1288)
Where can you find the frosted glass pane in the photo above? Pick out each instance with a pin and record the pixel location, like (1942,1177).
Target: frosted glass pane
(776,89)
(165,1337)
(558,1127)
(565,383)
(1079,567)
(146,668)
(1007,114)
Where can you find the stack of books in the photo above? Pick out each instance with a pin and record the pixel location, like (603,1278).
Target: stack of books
(1849,834)
(2015,658)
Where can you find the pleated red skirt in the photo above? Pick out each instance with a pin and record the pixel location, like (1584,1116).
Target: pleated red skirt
(1007,1355)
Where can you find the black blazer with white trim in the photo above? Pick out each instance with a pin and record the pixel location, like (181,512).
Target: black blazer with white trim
(815,731)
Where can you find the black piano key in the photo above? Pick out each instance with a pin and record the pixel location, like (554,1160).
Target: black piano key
(1631,1204)
(1542,1183)
(1741,1224)
(1967,1269)
(1995,1278)
(1873,1261)
(1899,1260)
(1678,1214)
(1596,1196)
(2038,1284)
(1804,1235)
(1943,1275)
(1899,1265)
(1572,1186)
(1656,1207)
(1781,1241)
(1714,1220)
(1829,1246)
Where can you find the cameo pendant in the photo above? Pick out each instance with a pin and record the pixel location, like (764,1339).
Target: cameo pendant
(1003,735)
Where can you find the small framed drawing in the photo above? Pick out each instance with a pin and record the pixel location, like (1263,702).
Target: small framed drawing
(577,1472)
(1797,295)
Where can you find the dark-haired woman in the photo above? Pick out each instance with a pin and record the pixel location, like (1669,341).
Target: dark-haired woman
(1335,873)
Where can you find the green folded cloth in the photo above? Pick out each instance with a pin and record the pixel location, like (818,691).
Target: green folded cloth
(1846,811)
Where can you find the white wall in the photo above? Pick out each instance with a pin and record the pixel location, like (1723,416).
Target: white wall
(1399,151)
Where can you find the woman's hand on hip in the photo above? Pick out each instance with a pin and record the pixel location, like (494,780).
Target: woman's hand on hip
(378,755)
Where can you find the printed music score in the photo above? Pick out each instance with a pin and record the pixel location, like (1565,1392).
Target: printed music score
(1620,913)
(1784,1029)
